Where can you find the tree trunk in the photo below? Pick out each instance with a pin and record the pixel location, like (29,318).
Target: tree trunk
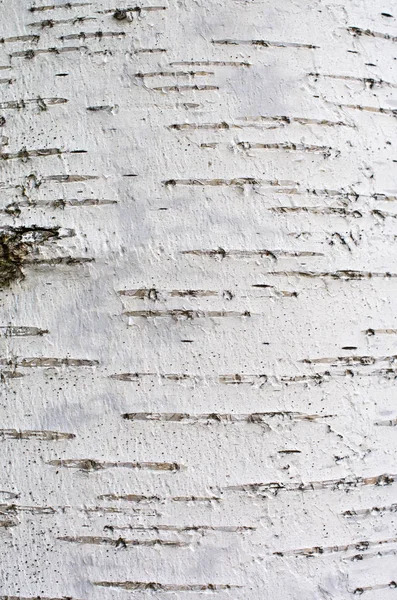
(198,315)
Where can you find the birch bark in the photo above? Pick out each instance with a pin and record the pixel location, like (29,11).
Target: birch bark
(197,306)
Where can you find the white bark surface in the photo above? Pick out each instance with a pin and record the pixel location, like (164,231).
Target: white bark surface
(198,303)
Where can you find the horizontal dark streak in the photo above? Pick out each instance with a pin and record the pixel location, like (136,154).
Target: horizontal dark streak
(101,108)
(357,31)
(61,203)
(259,379)
(25,154)
(275,254)
(344,484)
(184,314)
(369,555)
(185,88)
(369,81)
(209,63)
(192,126)
(68,178)
(318,550)
(182,529)
(287,120)
(257,122)
(15,331)
(121,542)
(67,5)
(31,53)
(239,182)
(46,436)
(344,275)
(174,74)
(319,378)
(254,418)
(370,512)
(351,196)
(89,465)
(332,210)
(263,44)
(351,360)
(316,210)
(130,497)
(379,586)
(105,510)
(154,294)
(142,498)
(384,111)
(48,362)
(175,377)
(50,23)
(14,509)
(36,598)
(163,587)
(20,38)
(60,260)
(137,9)
(32,181)
(82,35)
(148,50)
(287,147)
(371,332)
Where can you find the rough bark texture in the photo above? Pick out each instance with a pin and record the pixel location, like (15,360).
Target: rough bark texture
(198,315)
